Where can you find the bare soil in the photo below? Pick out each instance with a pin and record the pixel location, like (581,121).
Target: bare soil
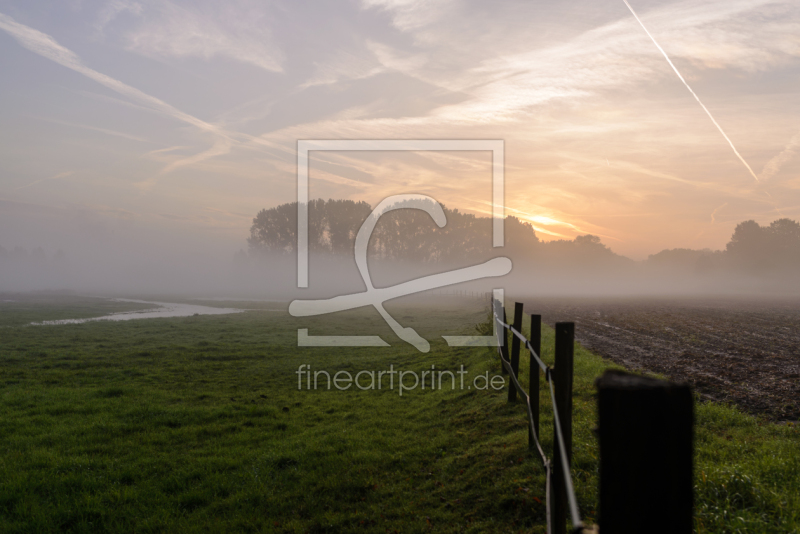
(741,351)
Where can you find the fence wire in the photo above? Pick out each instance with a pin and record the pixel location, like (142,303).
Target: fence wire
(577,524)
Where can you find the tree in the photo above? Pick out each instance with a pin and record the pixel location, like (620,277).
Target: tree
(520,236)
(342,220)
(400,234)
(747,240)
(588,240)
(275,229)
(758,249)
(784,241)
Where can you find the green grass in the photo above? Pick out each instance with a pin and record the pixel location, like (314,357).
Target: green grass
(196,424)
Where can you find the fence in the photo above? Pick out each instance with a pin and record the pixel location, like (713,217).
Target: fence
(561,483)
(645,431)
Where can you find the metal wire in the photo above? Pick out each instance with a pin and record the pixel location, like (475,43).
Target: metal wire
(577,524)
(527,343)
(573,502)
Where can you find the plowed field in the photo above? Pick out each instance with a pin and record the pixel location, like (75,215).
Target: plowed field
(741,351)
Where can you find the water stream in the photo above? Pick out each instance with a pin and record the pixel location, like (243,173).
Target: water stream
(162,310)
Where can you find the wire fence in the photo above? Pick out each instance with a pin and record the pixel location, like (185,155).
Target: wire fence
(645,434)
(533,416)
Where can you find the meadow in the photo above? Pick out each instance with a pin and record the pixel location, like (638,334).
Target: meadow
(197,424)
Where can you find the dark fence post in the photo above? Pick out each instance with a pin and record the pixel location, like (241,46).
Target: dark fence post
(645,429)
(515,343)
(504,340)
(562,385)
(533,369)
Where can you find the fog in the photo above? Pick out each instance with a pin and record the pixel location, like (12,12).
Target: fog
(90,252)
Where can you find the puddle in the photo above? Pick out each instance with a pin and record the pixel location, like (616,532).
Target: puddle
(161,310)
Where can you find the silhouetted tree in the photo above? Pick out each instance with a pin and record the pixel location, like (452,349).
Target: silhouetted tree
(275,229)
(748,244)
(341,221)
(583,252)
(759,249)
(520,236)
(400,234)
(783,238)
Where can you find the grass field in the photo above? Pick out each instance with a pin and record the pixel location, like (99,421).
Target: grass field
(196,424)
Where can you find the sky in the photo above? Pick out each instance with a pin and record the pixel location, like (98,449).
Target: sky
(169,124)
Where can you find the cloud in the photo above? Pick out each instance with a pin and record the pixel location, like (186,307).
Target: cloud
(234,30)
(720,35)
(344,65)
(714,213)
(710,116)
(596,124)
(221,147)
(56,177)
(413,15)
(112,9)
(46,46)
(506,80)
(774,165)
(97,129)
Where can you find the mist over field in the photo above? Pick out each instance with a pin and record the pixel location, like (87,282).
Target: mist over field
(113,255)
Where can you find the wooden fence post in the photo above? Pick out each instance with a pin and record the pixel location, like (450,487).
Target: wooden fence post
(499,311)
(515,343)
(533,370)
(645,429)
(562,385)
(504,339)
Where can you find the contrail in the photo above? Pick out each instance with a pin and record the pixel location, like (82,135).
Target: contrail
(714,213)
(690,90)
(56,177)
(774,165)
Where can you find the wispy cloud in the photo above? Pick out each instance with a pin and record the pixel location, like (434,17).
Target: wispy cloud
(507,82)
(221,147)
(112,9)
(546,221)
(413,15)
(601,135)
(234,30)
(105,131)
(344,65)
(774,165)
(44,45)
(714,213)
(55,177)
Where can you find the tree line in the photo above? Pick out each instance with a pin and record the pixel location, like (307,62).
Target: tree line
(773,249)
(411,235)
